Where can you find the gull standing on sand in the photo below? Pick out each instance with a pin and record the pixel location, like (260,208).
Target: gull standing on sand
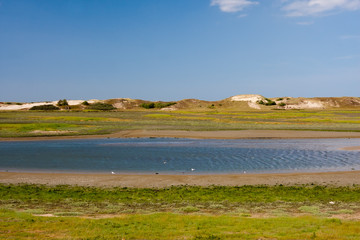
(193,169)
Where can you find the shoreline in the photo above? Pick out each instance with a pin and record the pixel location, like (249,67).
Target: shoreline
(225,134)
(354,148)
(344,178)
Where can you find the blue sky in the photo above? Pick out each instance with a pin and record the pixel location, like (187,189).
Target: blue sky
(171,50)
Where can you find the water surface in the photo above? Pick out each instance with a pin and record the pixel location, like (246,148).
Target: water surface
(180,156)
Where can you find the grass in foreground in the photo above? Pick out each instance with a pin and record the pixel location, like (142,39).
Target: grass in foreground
(27,123)
(185,212)
(15,225)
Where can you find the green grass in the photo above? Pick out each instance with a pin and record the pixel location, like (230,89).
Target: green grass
(15,225)
(24,123)
(184,212)
(183,199)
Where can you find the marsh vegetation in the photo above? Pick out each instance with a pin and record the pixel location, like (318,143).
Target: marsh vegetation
(24,123)
(248,212)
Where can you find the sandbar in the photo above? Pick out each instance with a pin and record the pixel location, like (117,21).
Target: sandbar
(228,134)
(159,181)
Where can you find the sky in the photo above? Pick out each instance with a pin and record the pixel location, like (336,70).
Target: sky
(171,50)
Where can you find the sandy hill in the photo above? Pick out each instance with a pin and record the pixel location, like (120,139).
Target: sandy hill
(234,103)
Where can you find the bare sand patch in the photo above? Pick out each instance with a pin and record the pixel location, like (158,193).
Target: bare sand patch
(152,180)
(50,132)
(355,148)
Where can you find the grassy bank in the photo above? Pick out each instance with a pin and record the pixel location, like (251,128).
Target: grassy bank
(186,212)
(37,123)
(242,201)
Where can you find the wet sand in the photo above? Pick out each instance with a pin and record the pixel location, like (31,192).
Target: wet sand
(236,134)
(355,148)
(128,180)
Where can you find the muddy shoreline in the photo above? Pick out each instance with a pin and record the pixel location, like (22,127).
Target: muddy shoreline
(231,134)
(347,178)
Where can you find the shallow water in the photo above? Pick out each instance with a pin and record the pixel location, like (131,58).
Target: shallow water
(177,156)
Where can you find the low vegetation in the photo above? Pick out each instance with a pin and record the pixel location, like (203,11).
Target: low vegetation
(102,122)
(15,225)
(190,212)
(210,200)
(101,106)
(151,105)
(62,102)
(267,102)
(47,107)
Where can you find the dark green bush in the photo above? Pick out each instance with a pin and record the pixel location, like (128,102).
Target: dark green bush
(85,103)
(101,106)
(267,102)
(157,105)
(62,102)
(148,105)
(279,99)
(282,104)
(48,107)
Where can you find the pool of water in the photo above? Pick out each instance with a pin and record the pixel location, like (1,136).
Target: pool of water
(180,156)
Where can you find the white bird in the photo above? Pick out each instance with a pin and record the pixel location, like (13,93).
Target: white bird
(244,171)
(193,169)
(332,202)
(165,162)
(112,173)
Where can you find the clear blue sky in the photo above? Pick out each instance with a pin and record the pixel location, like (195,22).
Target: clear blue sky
(176,49)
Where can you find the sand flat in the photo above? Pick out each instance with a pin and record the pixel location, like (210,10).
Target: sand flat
(355,148)
(152,180)
(228,134)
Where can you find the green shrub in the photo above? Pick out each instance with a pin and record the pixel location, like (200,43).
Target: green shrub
(267,102)
(148,105)
(162,105)
(85,103)
(282,104)
(101,106)
(157,105)
(62,102)
(47,107)
(279,99)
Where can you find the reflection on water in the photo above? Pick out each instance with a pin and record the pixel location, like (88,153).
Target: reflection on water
(180,156)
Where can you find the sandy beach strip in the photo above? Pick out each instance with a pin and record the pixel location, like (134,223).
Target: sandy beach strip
(355,148)
(159,181)
(229,134)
